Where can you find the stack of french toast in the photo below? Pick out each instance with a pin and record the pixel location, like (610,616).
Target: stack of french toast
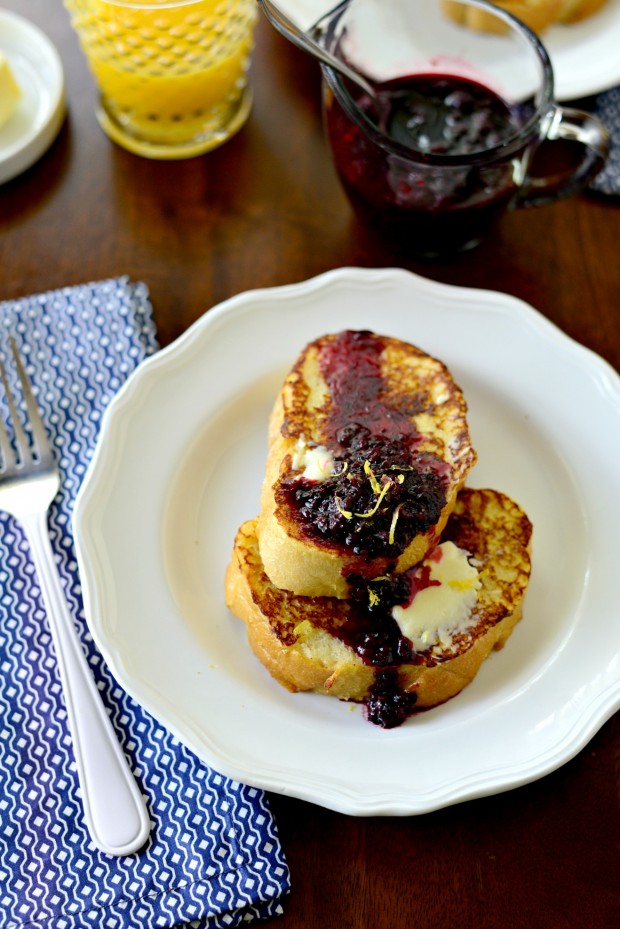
(372,574)
(537,14)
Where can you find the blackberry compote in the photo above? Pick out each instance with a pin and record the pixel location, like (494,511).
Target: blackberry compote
(442,197)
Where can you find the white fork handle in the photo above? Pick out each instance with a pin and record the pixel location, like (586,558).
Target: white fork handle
(114,808)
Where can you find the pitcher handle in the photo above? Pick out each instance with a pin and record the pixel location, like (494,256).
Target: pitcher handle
(567,125)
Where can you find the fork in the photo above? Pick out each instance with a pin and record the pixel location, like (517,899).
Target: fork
(114,809)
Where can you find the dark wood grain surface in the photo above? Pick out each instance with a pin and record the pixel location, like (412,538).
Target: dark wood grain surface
(263,210)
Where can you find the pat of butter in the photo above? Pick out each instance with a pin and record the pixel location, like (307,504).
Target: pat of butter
(444,609)
(315,463)
(10,92)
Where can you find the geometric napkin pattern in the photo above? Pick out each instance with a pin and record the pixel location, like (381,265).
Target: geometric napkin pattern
(213,858)
(607,108)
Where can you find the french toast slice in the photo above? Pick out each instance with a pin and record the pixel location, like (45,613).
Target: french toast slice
(537,14)
(573,11)
(368,447)
(356,649)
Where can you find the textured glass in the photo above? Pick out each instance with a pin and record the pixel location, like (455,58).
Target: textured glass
(169,74)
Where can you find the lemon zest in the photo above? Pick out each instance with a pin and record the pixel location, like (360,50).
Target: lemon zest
(301,628)
(377,488)
(374,509)
(346,513)
(463,584)
(374,483)
(393,525)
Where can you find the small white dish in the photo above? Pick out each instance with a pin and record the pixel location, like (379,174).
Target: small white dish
(584,55)
(37,119)
(178,467)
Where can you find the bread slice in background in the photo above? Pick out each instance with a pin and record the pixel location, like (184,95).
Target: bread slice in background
(573,11)
(537,14)
(392,425)
(304,641)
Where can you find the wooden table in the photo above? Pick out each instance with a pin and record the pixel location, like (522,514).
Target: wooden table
(267,209)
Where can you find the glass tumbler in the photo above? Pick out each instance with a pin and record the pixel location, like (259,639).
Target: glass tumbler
(172,75)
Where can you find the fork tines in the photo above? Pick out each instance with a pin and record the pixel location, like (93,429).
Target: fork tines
(22,444)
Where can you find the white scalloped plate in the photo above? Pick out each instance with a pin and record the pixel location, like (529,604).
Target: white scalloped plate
(178,467)
(40,112)
(584,55)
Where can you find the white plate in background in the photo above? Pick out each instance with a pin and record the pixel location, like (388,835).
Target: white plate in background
(178,467)
(585,55)
(39,114)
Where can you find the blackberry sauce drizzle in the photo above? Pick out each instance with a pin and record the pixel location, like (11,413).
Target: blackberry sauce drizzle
(364,432)
(373,633)
(387,705)
(368,627)
(374,442)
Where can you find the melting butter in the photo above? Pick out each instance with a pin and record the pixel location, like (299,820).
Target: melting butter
(315,463)
(445,608)
(10,92)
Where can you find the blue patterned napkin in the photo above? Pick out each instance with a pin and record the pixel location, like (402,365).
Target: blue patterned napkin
(607,108)
(213,857)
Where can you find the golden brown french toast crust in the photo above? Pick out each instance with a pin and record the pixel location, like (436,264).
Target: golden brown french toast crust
(354,648)
(537,14)
(393,425)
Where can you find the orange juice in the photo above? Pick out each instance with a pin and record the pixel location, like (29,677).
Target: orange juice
(172,75)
